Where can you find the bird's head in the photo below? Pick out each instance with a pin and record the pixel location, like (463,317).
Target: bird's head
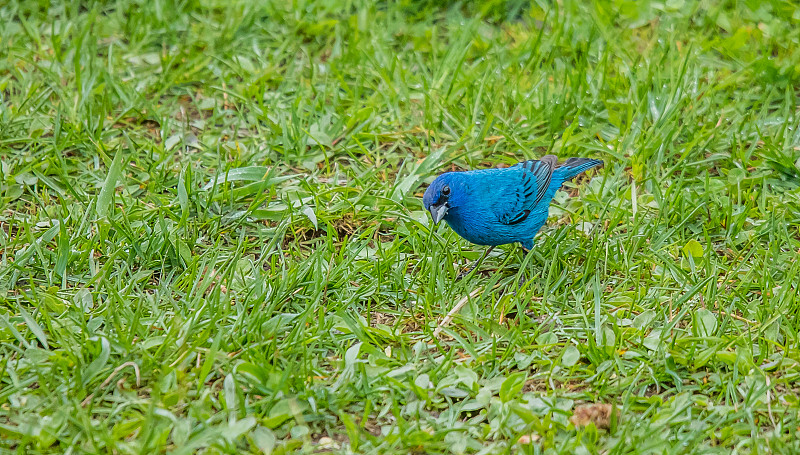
(438,198)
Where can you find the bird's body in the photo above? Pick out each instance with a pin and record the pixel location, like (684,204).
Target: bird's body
(498,206)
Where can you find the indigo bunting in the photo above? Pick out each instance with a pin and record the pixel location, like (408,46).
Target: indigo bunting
(498,206)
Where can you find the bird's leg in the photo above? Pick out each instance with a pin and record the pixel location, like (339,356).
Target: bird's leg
(523,278)
(475,264)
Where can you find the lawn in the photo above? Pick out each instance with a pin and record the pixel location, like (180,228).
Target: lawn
(213,237)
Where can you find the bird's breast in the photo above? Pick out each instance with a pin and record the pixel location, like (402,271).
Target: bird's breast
(483,227)
(480,227)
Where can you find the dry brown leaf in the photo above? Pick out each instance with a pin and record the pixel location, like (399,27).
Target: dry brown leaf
(598,413)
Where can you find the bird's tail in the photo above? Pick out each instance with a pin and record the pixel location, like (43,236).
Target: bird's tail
(575,166)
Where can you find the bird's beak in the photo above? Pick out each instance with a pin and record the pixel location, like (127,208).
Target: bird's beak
(438,211)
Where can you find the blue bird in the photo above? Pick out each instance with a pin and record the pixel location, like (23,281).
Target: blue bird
(499,206)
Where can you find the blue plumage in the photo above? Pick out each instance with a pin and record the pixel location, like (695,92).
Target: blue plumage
(498,206)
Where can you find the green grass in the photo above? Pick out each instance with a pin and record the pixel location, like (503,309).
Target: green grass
(213,239)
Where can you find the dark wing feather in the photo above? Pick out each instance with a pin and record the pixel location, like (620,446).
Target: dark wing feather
(526,193)
(521,216)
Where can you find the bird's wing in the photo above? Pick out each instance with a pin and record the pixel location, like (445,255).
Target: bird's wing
(525,187)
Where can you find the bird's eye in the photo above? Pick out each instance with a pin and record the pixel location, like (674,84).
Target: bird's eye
(445,190)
